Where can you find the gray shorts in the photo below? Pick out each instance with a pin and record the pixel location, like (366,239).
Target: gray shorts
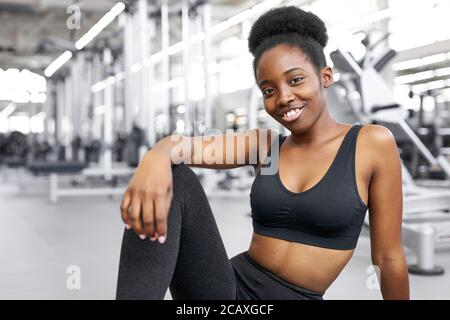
(256,283)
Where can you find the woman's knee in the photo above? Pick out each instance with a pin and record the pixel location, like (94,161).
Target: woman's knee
(184,177)
(187,188)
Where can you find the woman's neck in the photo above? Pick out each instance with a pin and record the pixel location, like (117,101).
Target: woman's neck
(325,128)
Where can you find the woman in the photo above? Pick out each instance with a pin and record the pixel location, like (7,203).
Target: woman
(307,217)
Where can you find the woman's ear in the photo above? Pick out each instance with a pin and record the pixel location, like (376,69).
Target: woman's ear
(326,75)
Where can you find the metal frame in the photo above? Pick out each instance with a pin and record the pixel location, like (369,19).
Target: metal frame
(56,192)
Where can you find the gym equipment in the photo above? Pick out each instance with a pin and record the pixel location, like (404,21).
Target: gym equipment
(77,148)
(92,151)
(41,150)
(119,147)
(15,147)
(236,180)
(362,92)
(231,183)
(134,141)
(57,169)
(3,140)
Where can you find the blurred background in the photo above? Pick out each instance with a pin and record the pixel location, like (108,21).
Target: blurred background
(87,87)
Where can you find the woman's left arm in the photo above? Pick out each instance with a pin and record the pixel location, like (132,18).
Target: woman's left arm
(385,215)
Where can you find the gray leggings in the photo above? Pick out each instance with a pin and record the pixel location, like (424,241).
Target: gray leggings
(193,262)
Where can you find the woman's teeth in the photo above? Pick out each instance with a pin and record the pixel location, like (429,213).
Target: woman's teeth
(293,114)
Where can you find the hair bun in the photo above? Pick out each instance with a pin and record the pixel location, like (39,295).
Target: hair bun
(288,19)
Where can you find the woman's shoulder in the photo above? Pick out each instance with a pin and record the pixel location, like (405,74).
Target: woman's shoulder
(377,145)
(376,135)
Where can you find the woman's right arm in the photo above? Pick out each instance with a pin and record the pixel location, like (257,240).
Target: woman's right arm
(147,200)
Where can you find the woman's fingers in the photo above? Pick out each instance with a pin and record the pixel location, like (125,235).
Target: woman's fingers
(161,213)
(148,217)
(145,204)
(124,209)
(135,216)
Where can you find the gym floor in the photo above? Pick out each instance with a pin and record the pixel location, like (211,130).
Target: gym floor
(39,241)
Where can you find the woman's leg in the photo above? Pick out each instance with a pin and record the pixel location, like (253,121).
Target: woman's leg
(192,261)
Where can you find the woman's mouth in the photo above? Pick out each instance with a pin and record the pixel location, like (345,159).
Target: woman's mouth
(293,114)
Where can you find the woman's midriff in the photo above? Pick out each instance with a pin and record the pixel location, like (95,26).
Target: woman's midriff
(309,267)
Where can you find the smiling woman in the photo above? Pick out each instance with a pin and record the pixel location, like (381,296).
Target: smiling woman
(307,217)
(312,222)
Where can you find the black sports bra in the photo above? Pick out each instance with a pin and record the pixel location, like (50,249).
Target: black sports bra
(330,214)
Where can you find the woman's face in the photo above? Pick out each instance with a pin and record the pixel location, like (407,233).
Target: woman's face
(289,82)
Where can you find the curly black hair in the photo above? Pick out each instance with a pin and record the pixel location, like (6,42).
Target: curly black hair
(291,26)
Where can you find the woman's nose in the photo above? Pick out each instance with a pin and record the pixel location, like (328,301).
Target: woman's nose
(285,97)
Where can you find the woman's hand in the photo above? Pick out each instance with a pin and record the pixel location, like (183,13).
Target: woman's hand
(146,203)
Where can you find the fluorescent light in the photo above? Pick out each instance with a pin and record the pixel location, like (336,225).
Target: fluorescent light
(437,84)
(167,85)
(405,79)
(420,62)
(423,75)
(432,85)
(111,80)
(157,56)
(20,96)
(408,64)
(232,63)
(147,62)
(22,86)
(265,5)
(219,27)
(58,63)
(177,47)
(120,76)
(38,97)
(41,114)
(198,37)
(9,109)
(100,25)
(136,67)
(234,20)
(99,86)
(434,59)
(419,88)
(414,77)
(442,72)
(243,16)
(86,38)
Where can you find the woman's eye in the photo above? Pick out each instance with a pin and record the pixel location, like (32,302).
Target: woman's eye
(296,80)
(267,91)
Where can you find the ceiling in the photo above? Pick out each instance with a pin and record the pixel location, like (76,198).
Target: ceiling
(34,32)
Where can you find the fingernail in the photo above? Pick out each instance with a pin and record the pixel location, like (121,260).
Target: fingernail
(127,227)
(161,239)
(153,238)
(142,236)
